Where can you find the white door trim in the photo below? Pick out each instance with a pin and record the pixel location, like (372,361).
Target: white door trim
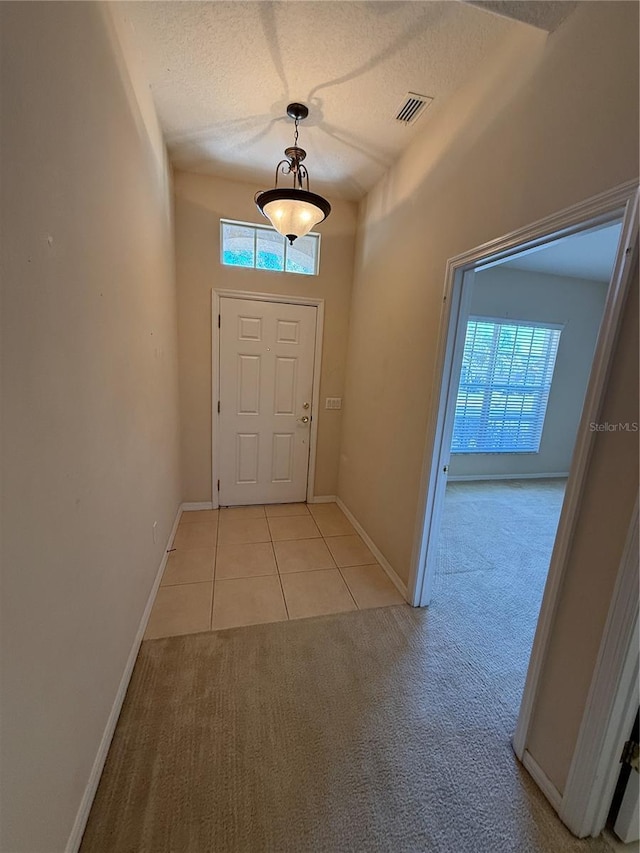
(217,295)
(459,304)
(611,707)
(621,202)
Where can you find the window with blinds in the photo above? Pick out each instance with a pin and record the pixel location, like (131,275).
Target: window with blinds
(507,369)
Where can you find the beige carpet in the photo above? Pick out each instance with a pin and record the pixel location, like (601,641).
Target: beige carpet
(506,526)
(381,730)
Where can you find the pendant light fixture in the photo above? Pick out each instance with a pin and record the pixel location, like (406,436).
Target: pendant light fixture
(293,212)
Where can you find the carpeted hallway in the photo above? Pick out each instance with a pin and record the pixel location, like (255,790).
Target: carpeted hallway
(495,546)
(498,525)
(379,730)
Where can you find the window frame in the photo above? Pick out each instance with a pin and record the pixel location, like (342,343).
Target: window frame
(259,226)
(509,321)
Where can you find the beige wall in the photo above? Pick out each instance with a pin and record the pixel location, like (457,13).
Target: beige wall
(544,126)
(90,453)
(577,305)
(605,514)
(200,203)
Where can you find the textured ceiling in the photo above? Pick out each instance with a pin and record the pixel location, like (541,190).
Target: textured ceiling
(222,73)
(544,14)
(589,255)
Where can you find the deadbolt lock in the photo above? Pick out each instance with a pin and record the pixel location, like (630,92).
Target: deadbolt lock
(305,405)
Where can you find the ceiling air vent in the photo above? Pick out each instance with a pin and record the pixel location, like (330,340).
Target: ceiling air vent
(412,107)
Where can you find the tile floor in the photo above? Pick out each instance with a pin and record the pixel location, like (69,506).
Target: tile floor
(243,565)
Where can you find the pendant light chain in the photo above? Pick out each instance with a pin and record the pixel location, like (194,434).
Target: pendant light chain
(297,177)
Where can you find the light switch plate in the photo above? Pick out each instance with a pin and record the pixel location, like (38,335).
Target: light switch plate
(333,403)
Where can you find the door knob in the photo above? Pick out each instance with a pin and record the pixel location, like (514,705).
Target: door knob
(304,419)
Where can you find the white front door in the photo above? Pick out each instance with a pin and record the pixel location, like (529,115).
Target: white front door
(266,382)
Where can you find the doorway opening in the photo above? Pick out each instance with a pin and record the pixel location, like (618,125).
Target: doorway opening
(529,339)
(529,342)
(493,409)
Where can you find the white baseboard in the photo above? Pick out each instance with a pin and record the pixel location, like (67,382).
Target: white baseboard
(371,545)
(322,499)
(468,478)
(189,506)
(542,780)
(75,839)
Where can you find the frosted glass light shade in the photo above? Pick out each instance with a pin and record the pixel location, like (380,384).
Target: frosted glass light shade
(293,213)
(295,218)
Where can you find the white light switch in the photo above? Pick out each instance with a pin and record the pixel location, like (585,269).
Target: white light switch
(333,403)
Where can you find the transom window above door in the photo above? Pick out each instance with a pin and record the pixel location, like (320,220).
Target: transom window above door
(505,380)
(260,247)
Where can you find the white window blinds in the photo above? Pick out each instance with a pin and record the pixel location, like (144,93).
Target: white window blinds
(507,368)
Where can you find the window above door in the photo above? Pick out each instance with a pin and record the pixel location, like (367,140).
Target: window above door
(243,244)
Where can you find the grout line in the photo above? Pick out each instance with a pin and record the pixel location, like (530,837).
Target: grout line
(275,557)
(284,597)
(324,539)
(247,577)
(215,564)
(299,539)
(344,580)
(213,586)
(309,571)
(293,515)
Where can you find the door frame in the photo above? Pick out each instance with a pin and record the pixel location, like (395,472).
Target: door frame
(216,296)
(618,203)
(612,703)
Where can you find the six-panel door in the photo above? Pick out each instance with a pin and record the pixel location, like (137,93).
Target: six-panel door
(266,379)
